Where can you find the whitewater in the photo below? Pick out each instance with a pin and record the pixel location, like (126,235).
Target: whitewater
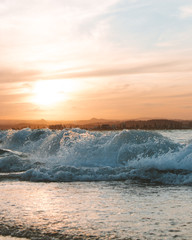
(80,155)
(79,184)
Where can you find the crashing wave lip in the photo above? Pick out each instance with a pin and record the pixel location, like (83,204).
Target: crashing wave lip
(80,155)
(8,151)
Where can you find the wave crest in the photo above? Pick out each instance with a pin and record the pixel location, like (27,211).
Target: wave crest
(80,155)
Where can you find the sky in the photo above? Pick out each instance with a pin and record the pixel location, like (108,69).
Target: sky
(78,59)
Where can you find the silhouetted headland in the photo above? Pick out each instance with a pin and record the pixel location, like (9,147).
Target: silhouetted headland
(98,124)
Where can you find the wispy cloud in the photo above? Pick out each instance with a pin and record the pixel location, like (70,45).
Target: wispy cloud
(10,75)
(139,68)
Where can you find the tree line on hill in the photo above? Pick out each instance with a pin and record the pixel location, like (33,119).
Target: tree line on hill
(155,124)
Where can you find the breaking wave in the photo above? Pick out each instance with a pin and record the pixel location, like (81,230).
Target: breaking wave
(80,155)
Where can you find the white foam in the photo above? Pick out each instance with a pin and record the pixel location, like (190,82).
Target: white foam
(80,155)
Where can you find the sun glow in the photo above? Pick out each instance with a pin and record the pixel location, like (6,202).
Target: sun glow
(50,92)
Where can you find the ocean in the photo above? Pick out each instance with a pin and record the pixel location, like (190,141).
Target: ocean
(79,184)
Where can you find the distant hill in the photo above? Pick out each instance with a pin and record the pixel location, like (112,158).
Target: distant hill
(98,124)
(93,120)
(18,124)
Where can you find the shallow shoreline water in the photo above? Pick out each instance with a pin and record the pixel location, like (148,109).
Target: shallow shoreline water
(11,238)
(96,210)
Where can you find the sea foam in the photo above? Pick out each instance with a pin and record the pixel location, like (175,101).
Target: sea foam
(80,155)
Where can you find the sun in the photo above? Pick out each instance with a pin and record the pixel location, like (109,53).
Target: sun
(50,92)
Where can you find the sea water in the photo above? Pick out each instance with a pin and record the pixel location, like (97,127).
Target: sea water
(78,184)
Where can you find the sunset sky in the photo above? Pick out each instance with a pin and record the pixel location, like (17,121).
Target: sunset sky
(78,59)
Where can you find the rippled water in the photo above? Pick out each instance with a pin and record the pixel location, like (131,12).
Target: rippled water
(96,210)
